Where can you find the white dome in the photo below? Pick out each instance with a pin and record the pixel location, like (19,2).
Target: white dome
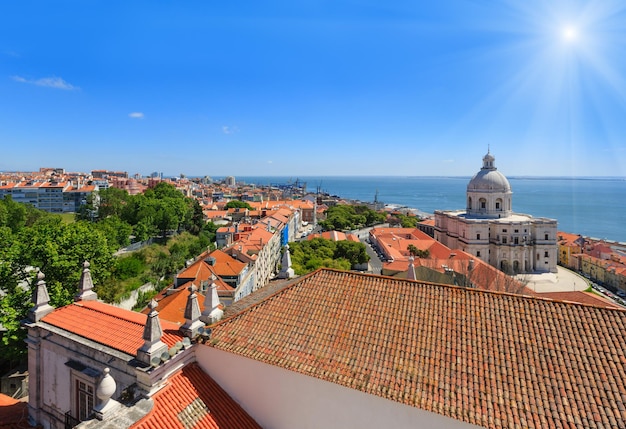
(489,180)
(489,192)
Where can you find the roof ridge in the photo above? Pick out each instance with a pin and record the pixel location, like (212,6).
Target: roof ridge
(304,278)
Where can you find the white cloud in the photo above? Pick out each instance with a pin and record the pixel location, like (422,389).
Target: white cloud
(269,162)
(49,82)
(136,115)
(448,161)
(229,130)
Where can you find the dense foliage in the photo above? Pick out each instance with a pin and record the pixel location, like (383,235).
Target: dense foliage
(309,255)
(344,217)
(405,221)
(236,204)
(33,240)
(156,211)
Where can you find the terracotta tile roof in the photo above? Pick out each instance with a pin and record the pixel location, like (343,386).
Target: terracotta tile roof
(488,358)
(568,238)
(580,297)
(13,413)
(172,307)
(192,399)
(335,236)
(108,325)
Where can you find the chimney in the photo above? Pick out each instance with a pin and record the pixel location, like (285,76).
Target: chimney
(85,286)
(470,266)
(41,299)
(192,314)
(152,333)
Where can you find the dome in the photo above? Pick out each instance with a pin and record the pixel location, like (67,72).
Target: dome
(489,178)
(489,192)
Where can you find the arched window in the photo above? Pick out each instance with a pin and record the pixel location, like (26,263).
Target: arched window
(482,203)
(499,204)
(469,203)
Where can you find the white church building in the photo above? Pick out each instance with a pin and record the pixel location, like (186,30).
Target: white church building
(488,228)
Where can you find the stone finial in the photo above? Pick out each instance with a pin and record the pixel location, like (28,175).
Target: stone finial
(192,314)
(105,390)
(286,272)
(212,312)
(41,299)
(410,275)
(85,286)
(152,333)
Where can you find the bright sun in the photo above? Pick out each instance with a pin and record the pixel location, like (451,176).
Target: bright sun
(569,33)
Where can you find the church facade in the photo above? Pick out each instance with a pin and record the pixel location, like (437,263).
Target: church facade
(489,229)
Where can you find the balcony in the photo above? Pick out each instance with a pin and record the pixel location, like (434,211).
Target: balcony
(70,421)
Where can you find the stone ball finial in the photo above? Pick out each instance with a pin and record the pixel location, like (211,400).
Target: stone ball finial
(86,264)
(192,288)
(106,387)
(153,304)
(40,276)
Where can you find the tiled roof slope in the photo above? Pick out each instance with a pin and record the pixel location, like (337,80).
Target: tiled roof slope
(13,413)
(192,399)
(488,358)
(172,307)
(108,325)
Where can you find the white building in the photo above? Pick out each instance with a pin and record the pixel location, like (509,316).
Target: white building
(489,229)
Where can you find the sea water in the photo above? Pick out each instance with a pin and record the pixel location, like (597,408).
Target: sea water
(593,207)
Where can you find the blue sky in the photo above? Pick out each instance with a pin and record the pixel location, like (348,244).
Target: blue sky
(265,88)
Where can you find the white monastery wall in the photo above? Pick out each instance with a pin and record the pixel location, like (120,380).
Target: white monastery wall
(281,399)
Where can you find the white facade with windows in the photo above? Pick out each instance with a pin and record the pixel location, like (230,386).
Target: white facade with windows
(488,228)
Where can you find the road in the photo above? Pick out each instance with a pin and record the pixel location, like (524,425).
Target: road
(376,264)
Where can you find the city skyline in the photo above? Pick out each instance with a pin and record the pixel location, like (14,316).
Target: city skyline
(314,88)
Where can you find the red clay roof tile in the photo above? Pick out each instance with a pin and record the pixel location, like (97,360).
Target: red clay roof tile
(192,399)
(488,358)
(108,325)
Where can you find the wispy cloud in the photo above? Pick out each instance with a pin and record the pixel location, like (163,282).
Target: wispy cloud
(49,82)
(270,162)
(448,161)
(136,115)
(229,130)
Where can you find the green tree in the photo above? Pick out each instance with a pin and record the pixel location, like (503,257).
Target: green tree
(343,217)
(112,202)
(352,251)
(236,204)
(307,256)
(59,250)
(116,231)
(166,217)
(12,215)
(418,253)
(14,299)
(166,190)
